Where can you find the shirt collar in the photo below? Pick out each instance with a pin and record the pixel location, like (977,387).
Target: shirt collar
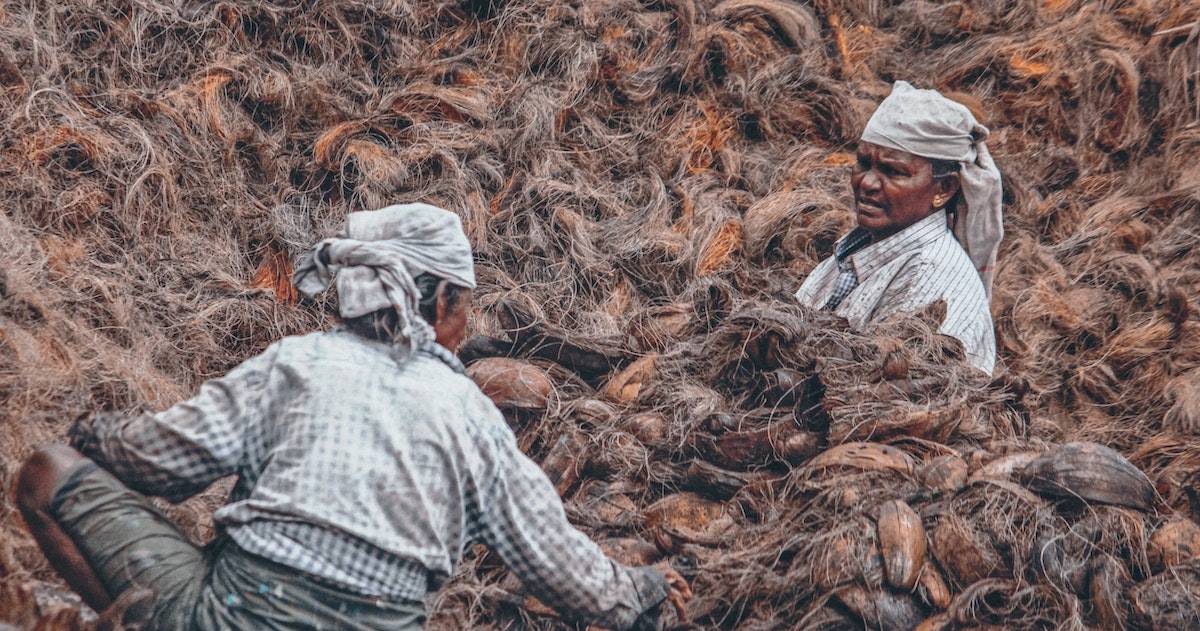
(854,241)
(871,256)
(444,354)
(433,349)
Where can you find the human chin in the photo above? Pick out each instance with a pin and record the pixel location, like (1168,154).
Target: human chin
(869,216)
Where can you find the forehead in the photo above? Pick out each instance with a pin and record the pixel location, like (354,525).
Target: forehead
(879,152)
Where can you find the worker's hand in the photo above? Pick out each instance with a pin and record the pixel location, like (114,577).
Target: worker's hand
(678,590)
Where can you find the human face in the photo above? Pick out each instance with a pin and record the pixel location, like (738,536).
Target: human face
(893,189)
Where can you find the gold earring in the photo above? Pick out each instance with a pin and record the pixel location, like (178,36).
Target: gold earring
(938,202)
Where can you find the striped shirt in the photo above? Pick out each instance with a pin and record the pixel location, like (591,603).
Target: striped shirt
(904,273)
(370,474)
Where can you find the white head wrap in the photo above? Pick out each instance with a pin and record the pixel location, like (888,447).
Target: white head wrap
(927,124)
(377,255)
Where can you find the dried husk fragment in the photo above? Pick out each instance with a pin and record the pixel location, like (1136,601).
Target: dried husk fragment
(617,454)
(881,610)
(631,551)
(1090,472)
(565,459)
(512,383)
(1177,541)
(932,587)
(946,473)
(741,450)
(865,456)
(799,446)
(1003,468)
(839,555)
(657,327)
(965,554)
(937,622)
(1108,588)
(591,412)
(626,385)
(1169,601)
(1050,558)
(902,543)
(606,504)
(713,481)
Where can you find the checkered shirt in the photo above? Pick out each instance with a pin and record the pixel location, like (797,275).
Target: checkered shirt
(904,273)
(370,474)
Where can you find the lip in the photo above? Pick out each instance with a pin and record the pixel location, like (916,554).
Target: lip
(868,206)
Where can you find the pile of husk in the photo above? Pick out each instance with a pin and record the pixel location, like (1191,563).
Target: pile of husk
(645,185)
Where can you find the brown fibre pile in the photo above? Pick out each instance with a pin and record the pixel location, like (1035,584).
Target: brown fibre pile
(645,184)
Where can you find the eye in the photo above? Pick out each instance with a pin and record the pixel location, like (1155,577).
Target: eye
(863,163)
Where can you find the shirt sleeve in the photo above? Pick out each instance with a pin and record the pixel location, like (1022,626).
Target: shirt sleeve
(179,452)
(522,519)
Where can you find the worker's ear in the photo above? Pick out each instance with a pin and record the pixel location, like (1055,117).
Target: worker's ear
(442,305)
(946,186)
(450,315)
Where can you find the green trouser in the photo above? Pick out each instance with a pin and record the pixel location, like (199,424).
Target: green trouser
(130,543)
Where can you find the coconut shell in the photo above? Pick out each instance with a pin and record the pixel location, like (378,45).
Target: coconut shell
(592,412)
(932,587)
(902,544)
(649,427)
(477,347)
(682,518)
(963,552)
(881,610)
(864,456)
(1090,472)
(512,383)
(946,473)
(1175,542)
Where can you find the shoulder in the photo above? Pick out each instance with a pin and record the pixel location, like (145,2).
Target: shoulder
(431,379)
(944,256)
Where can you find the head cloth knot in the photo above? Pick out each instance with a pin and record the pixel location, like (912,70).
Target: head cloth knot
(377,256)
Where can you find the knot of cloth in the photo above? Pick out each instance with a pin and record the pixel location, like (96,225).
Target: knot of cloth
(927,124)
(376,257)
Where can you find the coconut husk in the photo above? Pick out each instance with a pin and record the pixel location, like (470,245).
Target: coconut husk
(636,180)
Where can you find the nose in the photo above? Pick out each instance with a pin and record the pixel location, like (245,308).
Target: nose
(869,181)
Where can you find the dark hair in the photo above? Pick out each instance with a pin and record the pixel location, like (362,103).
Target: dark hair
(383,325)
(942,168)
